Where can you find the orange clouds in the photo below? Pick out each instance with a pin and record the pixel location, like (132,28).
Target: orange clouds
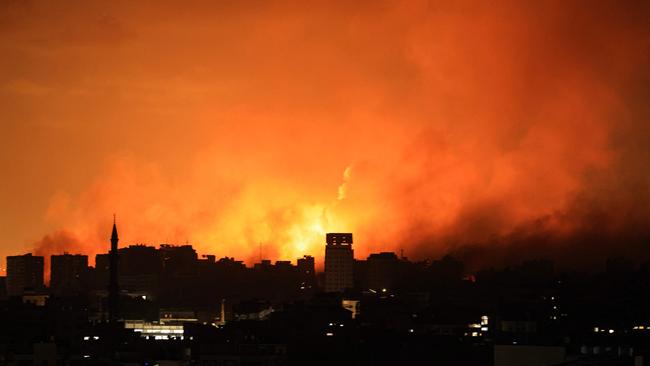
(500,125)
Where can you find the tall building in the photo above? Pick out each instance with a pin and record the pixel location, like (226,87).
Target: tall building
(339,261)
(306,267)
(306,272)
(101,272)
(113,287)
(139,269)
(381,270)
(24,272)
(67,273)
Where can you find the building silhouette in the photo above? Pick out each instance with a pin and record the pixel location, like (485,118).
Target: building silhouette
(178,260)
(139,269)
(3,288)
(213,311)
(339,262)
(67,273)
(24,273)
(307,271)
(381,270)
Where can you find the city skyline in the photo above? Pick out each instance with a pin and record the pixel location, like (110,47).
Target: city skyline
(65,256)
(151,301)
(338,248)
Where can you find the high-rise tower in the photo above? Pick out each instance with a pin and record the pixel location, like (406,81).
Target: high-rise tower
(113,288)
(24,273)
(339,259)
(68,273)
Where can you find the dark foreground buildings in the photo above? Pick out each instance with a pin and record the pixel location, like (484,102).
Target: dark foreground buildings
(142,305)
(24,274)
(68,273)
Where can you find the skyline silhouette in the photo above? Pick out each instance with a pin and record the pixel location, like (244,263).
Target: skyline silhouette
(141,303)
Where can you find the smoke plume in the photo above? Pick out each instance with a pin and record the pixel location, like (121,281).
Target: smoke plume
(494,131)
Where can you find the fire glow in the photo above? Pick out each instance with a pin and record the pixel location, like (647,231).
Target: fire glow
(429,128)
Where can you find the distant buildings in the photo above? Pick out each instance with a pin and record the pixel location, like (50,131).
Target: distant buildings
(170,271)
(339,261)
(67,273)
(24,273)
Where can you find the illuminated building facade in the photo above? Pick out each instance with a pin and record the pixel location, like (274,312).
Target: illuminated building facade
(155,331)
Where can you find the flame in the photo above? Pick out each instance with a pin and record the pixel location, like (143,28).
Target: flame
(491,125)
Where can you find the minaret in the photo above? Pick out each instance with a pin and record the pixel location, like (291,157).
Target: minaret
(113,288)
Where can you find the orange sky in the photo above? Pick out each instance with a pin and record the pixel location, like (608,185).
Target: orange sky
(417,125)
